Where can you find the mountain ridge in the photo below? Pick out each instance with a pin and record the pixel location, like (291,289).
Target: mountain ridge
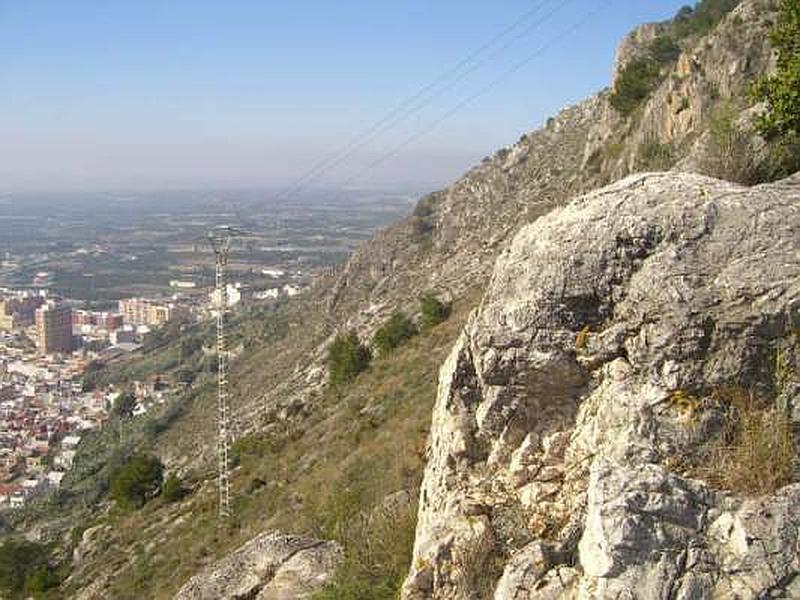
(449,246)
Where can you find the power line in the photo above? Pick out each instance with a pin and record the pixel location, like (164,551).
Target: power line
(338,161)
(421,98)
(472,97)
(220,239)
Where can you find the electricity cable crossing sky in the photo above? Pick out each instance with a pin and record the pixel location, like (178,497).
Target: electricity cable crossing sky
(471,98)
(282,96)
(429,92)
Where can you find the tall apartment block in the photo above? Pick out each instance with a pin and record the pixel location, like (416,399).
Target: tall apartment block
(54,329)
(144,311)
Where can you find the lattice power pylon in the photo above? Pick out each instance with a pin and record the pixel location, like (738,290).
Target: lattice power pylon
(220,239)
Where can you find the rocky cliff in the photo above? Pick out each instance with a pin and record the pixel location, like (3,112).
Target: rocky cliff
(560,414)
(450,243)
(555,464)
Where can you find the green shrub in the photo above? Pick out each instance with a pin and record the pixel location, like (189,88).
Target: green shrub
(702,18)
(394,332)
(780,124)
(422,218)
(432,311)
(347,357)
(782,160)
(137,480)
(40,580)
(124,405)
(655,156)
(425,206)
(173,490)
(378,547)
(92,376)
(642,75)
(189,345)
(664,50)
(635,83)
(24,569)
(728,154)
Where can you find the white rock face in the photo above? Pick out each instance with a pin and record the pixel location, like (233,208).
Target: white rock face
(271,566)
(553,429)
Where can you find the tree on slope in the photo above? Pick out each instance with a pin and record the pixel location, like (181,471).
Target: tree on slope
(782,91)
(780,124)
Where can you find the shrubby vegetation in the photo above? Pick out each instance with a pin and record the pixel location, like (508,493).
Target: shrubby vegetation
(664,50)
(728,154)
(173,489)
(347,357)
(702,18)
(124,405)
(394,332)
(655,156)
(137,480)
(377,540)
(635,84)
(25,570)
(360,487)
(422,218)
(190,344)
(377,554)
(780,124)
(432,311)
(92,376)
(643,74)
(755,452)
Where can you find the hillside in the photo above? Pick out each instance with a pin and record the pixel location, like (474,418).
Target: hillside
(450,243)
(618,416)
(346,463)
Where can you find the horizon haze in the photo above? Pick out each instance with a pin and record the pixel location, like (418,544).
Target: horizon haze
(150,95)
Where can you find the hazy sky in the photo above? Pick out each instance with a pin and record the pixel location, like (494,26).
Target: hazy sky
(240,93)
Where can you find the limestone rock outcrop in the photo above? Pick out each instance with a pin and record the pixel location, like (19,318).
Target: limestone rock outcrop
(271,566)
(555,432)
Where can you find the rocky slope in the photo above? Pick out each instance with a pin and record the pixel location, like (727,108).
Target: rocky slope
(269,567)
(448,246)
(559,401)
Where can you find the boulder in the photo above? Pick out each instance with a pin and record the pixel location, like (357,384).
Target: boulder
(271,566)
(558,397)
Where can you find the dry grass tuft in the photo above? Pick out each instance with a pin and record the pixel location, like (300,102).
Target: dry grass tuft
(755,452)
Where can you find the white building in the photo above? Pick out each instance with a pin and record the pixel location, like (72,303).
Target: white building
(64,459)
(70,442)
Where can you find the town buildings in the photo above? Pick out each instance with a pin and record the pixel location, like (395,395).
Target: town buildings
(236,294)
(148,311)
(44,412)
(54,329)
(106,321)
(18,310)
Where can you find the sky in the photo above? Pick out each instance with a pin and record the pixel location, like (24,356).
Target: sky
(195,94)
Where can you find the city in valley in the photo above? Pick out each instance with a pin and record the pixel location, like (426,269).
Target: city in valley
(87,283)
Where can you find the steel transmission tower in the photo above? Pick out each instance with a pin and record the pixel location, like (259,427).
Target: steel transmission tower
(220,239)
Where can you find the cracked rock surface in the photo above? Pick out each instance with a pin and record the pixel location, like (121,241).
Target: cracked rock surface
(549,469)
(271,566)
